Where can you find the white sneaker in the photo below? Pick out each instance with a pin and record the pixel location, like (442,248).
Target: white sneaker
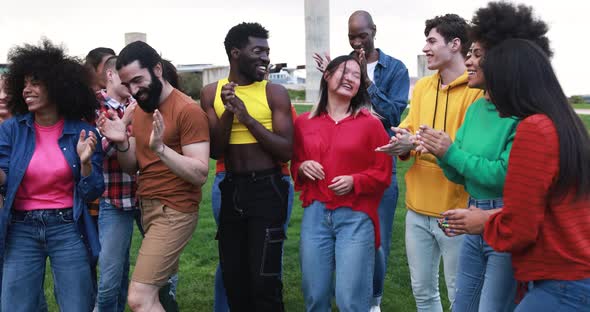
(375,308)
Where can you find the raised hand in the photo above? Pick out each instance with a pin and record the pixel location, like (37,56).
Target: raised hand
(436,142)
(342,185)
(312,170)
(321,62)
(156,137)
(464,221)
(234,104)
(128,115)
(112,127)
(399,144)
(86,146)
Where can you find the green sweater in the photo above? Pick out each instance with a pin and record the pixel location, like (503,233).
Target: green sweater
(478,158)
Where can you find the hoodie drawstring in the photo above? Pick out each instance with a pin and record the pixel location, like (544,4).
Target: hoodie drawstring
(436,106)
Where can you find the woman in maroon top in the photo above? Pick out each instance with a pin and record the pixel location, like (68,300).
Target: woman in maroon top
(545,223)
(342,180)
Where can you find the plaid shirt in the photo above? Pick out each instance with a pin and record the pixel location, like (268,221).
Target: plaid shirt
(119,186)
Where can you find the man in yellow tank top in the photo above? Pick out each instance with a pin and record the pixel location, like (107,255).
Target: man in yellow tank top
(251,126)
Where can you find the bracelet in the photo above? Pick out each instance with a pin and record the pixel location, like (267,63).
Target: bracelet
(123,151)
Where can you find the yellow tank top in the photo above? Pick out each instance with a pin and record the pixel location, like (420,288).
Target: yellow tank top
(254,97)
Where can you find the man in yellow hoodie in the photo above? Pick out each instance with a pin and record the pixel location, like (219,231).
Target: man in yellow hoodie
(439,101)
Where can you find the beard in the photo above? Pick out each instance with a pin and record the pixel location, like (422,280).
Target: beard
(148,98)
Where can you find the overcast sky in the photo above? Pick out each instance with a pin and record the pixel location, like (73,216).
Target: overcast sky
(192,31)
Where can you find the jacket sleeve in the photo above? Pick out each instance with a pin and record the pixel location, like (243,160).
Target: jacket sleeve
(5,144)
(92,186)
(532,167)
(391,103)
(378,176)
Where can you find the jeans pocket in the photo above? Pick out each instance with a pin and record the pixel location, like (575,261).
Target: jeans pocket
(272,252)
(66,216)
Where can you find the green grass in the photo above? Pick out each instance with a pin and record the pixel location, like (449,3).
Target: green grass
(581,106)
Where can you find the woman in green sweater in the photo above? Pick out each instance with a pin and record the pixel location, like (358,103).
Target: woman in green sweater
(478,159)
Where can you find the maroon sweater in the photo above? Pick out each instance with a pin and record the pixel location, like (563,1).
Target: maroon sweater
(547,237)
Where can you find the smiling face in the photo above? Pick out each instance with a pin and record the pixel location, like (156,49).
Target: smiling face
(35,95)
(253,59)
(438,51)
(475,75)
(144,84)
(345,80)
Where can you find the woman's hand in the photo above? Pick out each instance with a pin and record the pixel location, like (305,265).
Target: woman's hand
(464,221)
(342,185)
(86,146)
(312,170)
(436,142)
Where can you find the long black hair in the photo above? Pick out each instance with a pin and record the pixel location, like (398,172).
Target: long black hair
(67,81)
(360,100)
(521,83)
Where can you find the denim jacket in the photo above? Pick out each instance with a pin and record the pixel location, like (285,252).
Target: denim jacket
(17,144)
(389,90)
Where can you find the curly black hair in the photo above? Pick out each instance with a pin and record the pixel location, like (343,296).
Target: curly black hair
(499,21)
(67,81)
(237,36)
(450,26)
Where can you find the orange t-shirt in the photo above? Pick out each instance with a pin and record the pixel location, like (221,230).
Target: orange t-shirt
(220,164)
(185,123)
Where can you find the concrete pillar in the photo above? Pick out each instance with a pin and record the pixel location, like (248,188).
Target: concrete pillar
(135,36)
(317,39)
(423,70)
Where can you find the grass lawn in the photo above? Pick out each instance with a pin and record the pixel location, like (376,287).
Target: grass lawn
(581,106)
(199,260)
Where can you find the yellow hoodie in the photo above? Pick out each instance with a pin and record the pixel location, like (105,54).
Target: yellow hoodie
(428,191)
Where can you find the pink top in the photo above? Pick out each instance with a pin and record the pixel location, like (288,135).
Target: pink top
(48,182)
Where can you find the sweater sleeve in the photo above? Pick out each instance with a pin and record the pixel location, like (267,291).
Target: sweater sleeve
(477,168)
(532,168)
(450,172)
(298,152)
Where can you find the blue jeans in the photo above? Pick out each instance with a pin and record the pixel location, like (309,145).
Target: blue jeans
(553,296)
(425,243)
(338,242)
(386,213)
(485,281)
(32,237)
(115,229)
(220,298)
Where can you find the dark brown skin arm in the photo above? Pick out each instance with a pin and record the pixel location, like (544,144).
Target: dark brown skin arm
(219,128)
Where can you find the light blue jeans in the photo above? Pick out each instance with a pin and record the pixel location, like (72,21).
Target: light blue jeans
(220,298)
(338,242)
(485,281)
(32,237)
(557,296)
(386,213)
(115,229)
(425,243)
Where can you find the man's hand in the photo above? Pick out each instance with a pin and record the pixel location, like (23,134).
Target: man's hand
(234,104)
(86,146)
(321,62)
(342,185)
(156,137)
(436,142)
(399,144)
(128,115)
(312,170)
(361,57)
(112,127)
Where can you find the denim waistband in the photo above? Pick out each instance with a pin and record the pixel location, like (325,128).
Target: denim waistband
(252,175)
(487,204)
(47,212)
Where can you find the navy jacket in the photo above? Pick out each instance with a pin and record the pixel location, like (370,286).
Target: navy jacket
(17,144)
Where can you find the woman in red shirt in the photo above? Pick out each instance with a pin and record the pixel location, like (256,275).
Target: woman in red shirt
(545,223)
(342,180)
